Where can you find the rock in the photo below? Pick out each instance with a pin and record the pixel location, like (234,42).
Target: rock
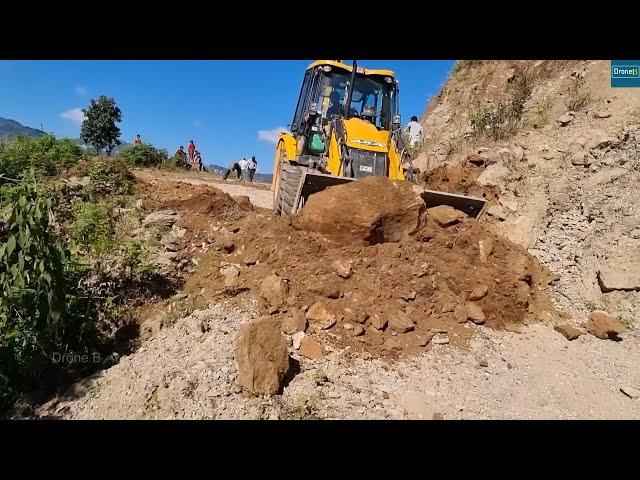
(228,245)
(497,211)
(566,119)
(437,416)
(296,340)
(580,158)
(460,314)
(569,331)
(494,175)
(378,321)
(478,292)
(311,348)
(294,322)
(357,330)
(440,339)
(601,114)
(320,317)
(444,215)
(342,268)
(477,159)
(363,317)
(261,353)
(604,326)
(169,242)
(605,142)
(324,287)
(509,204)
(630,391)
(161,218)
(483,363)
(408,296)
(347,326)
(475,313)
(619,275)
(371,210)
(400,322)
(485,246)
(274,290)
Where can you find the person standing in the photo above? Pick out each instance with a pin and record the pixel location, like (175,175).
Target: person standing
(414,131)
(252,166)
(138,140)
(243,167)
(191,151)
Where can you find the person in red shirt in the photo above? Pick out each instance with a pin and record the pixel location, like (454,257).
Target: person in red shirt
(191,150)
(137,141)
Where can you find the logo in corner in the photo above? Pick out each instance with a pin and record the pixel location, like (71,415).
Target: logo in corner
(625,73)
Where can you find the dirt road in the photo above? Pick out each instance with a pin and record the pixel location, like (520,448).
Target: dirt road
(259,194)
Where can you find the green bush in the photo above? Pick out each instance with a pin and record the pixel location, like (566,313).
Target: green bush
(32,287)
(578,96)
(46,154)
(107,177)
(93,228)
(144,155)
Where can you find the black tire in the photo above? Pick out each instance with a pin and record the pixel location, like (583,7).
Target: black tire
(290,176)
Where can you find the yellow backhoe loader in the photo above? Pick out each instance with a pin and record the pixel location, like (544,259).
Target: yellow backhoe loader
(346,126)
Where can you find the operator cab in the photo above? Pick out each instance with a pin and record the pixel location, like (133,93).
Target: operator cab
(322,109)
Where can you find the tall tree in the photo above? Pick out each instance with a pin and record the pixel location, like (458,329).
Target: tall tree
(99,126)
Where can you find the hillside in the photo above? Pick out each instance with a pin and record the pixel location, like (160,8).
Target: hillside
(11,128)
(564,182)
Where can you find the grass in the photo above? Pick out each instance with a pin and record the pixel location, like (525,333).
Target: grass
(577,95)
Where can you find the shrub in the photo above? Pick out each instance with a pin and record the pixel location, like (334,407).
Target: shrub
(93,228)
(577,95)
(541,111)
(144,155)
(107,176)
(46,155)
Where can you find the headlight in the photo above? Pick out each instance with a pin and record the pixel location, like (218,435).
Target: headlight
(388,79)
(326,68)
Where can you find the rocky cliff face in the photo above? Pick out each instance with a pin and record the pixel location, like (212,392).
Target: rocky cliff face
(562,173)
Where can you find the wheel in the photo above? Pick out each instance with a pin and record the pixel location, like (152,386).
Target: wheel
(290,176)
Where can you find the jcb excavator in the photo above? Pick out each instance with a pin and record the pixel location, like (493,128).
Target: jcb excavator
(346,126)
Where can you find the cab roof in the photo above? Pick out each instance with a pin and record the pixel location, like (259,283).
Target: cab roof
(349,68)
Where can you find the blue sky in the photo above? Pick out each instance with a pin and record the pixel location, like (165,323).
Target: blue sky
(229,108)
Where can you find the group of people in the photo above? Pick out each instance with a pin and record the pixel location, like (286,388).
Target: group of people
(244,168)
(191,157)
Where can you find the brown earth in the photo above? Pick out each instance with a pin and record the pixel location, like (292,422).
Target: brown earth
(426,277)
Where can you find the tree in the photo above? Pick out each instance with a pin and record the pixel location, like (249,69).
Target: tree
(99,127)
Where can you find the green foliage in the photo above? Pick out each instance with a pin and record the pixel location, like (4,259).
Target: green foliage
(144,155)
(45,154)
(99,127)
(462,65)
(32,287)
(503,120)
(108,177)
(578,96)
(93,228)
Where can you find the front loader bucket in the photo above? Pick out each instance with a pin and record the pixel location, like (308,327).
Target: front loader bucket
(472,206)
(313,182)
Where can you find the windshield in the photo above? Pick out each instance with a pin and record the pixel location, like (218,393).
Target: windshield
(372,93)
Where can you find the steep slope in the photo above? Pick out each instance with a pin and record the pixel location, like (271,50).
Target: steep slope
(562,183)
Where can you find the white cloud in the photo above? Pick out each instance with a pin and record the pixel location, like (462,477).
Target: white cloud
(80,90)
(74,115)
(270,136)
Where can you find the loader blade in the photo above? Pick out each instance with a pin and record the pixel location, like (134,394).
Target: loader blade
(472,206)
(313,182)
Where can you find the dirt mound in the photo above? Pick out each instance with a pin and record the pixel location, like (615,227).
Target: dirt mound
(460,178)
(384,298)
(372,210)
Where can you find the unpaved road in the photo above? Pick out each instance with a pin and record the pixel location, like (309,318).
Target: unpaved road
(259,194)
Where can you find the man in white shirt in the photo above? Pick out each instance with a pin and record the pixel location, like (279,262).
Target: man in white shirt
(414,130)
(244,164)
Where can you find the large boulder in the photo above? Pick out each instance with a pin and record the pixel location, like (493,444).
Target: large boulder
(371,210)
(262,356)
(604,326)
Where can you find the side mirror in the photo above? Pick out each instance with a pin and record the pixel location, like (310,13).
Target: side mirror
(396,122)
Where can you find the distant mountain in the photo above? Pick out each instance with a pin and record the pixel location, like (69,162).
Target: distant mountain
(11,128)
